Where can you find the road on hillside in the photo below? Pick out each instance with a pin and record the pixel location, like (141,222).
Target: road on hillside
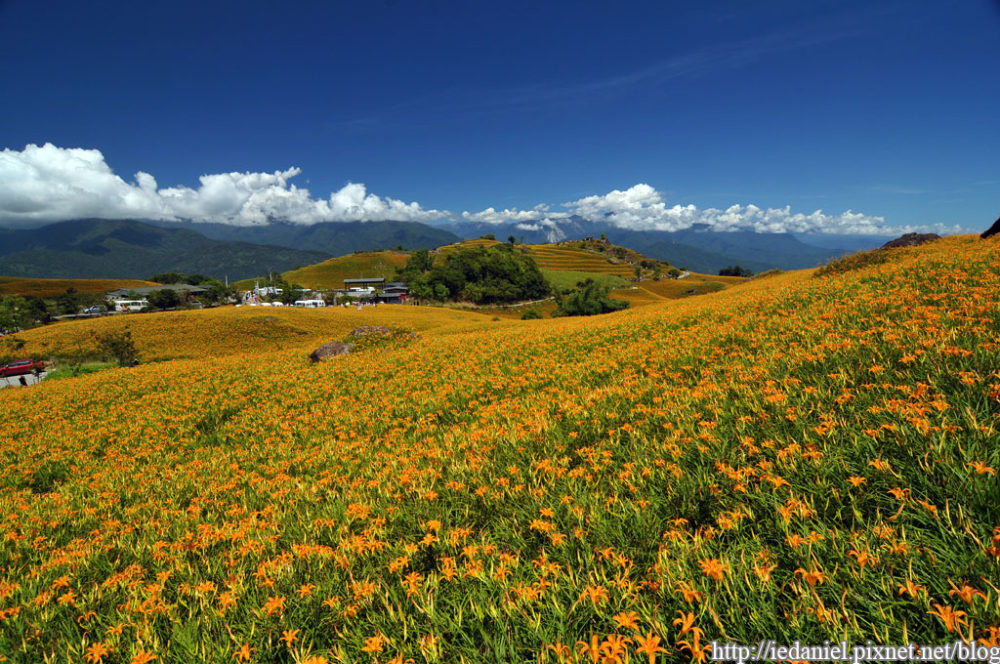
(13,381)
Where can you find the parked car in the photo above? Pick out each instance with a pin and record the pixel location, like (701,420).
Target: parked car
(21,367)
(93,310)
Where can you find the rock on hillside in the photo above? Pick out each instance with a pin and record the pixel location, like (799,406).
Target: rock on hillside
(330,350)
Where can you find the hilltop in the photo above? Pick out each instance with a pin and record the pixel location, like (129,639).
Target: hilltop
(799,456)
(331,273)
(564,264)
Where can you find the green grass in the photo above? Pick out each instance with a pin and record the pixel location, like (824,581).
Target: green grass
(68,371)
(564,279)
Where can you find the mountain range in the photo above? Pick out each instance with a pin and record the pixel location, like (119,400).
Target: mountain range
(698,248)
(336,238)
(96,248)
(101,248)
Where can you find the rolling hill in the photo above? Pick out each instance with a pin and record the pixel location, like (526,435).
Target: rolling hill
(104,249)
(799,457)
(332,272)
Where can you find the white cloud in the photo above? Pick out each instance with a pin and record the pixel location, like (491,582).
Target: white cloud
(643,208)
(49,183)
(513,215)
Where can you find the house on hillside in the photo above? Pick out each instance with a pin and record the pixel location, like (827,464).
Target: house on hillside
(394,293)
(134,299)
(143,291)
(364,282)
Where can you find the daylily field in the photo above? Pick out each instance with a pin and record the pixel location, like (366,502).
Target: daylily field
(798,457)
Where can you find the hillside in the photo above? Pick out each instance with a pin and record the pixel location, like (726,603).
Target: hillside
(51,287)
(797,457)
(579,256)
(103,249)
(331,273)
(563,264)
(243,331)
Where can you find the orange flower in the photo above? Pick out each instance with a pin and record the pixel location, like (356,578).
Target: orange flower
(629,620)
(96,652)
(143,657)
(243,654)
(374,644)
(712,568)
(649,645)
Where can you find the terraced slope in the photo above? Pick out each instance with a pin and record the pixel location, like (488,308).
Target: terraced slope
(559,257)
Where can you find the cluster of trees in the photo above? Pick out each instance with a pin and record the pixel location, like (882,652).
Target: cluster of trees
(167,298)
(735,271)
(19,312)
(483,275)
(590,299)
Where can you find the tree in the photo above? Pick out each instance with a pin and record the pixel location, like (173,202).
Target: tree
(168,278)
(590,300)
(118,346)
(165,298)
(68,302)
(483,275)
(511,239)
(15,314)
(735,271)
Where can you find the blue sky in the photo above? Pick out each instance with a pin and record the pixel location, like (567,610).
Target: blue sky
(887,109)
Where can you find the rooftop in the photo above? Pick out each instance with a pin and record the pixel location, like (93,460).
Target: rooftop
(366,280)
(146,290)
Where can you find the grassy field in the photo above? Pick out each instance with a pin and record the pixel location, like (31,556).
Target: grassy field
(52,287)
(563,279)
(792,458)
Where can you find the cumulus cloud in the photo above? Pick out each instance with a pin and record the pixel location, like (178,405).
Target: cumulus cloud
(513,215)
(643,208)
(50,183)
(47,183)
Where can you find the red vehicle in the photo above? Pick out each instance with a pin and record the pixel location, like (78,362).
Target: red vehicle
(21,367)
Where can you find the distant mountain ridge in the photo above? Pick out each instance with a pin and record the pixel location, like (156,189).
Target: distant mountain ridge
(698,248)
(336,238)
(94,248)
(101,248)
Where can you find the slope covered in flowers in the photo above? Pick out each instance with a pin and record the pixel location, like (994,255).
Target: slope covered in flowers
(53,287)
(793,458)
(246,331)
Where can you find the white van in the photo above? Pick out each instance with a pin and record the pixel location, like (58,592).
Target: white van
(130,305)
(310,304)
